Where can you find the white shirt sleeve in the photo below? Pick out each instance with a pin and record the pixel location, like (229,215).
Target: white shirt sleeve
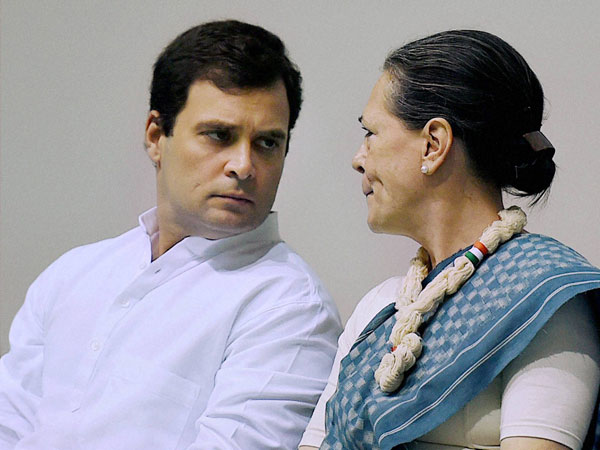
(371,304)
(21,371)
(550,390)
(273,372)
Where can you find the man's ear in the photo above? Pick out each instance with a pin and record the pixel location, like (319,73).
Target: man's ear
(438,138)
(154,132)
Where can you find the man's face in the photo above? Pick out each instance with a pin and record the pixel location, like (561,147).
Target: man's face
(217,175)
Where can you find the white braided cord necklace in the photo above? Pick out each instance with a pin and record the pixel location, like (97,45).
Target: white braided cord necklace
(414,302)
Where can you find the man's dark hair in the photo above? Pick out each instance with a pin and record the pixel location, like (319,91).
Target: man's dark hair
(232,55)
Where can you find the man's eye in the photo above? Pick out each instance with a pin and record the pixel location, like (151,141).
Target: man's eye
(367,132)
(218,135)
(268,143)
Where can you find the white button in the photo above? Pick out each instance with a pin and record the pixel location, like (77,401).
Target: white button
(95,345)
(143,265)
(124,303)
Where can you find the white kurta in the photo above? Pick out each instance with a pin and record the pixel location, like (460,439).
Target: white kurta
(220,344)
(549,391)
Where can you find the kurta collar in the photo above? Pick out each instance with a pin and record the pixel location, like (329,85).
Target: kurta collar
(268,231)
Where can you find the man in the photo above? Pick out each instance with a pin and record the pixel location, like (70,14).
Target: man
(200,328)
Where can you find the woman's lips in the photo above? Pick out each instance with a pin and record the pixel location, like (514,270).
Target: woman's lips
(366,188)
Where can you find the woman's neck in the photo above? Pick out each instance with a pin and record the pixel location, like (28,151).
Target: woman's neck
(456,223)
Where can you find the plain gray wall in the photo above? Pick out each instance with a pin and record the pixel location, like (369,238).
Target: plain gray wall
(74,91)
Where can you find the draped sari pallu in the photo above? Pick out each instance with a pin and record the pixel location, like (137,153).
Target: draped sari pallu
(470,339)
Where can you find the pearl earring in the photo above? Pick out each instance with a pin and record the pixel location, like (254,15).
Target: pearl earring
(424,169)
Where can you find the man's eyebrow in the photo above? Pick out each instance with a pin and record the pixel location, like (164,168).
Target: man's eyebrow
(217,124)
(221,125)
(360,119)
(275,134)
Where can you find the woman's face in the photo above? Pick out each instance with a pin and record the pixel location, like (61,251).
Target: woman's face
(389,160)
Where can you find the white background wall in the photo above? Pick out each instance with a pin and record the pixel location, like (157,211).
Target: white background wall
(74,77)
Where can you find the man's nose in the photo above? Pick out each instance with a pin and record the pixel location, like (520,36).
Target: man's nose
(239,164)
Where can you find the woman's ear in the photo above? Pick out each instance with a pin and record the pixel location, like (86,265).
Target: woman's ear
(438,138)
(154,133)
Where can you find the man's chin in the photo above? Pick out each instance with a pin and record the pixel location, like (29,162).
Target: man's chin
(232,226)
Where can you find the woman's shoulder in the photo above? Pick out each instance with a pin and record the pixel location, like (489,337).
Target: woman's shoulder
(544,249)
(373,302)
(383,294)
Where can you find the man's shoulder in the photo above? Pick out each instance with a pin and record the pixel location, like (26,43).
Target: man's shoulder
(282,279)
(282,264)
(92,252)
(281,253)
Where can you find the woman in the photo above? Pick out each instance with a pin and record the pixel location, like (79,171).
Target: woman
(490,340)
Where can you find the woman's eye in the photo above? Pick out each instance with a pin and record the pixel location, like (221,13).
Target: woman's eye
(367,132)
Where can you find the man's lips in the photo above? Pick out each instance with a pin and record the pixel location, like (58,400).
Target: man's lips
(243,198)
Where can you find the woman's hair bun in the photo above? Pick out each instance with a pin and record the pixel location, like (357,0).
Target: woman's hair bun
(530,171)
(533,177)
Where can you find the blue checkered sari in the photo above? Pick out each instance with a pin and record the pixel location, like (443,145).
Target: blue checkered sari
(470,339)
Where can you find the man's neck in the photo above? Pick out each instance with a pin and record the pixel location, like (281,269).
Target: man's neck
(169,232)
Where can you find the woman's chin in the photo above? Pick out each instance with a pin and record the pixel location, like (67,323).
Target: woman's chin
(386,227)
(378,227)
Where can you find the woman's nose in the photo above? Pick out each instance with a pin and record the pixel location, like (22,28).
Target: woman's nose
(358,162)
